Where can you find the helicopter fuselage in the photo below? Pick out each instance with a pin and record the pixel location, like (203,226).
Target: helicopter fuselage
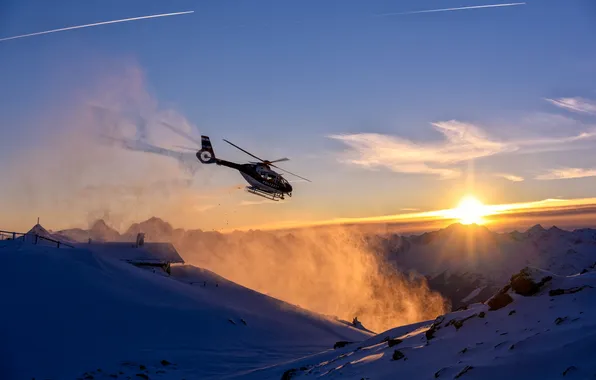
(260,177)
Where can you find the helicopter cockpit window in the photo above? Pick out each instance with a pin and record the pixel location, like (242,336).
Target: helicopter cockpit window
(268,176)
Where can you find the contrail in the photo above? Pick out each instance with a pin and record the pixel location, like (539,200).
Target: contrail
(454,9)
(95,24)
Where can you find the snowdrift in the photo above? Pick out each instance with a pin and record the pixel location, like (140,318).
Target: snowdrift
(539,326)
(71,313)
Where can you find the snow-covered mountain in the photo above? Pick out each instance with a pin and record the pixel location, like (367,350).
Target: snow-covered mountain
(468,263)
(68,313)
(77,314)
(539,326)
(465,263)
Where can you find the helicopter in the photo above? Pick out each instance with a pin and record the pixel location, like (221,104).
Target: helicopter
(262,180)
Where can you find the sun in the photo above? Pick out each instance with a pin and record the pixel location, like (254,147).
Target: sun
(470,211)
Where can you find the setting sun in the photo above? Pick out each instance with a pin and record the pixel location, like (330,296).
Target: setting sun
(470,210)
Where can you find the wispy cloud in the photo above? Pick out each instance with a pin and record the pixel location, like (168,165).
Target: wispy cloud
(453,9)
(576,104)
(567,173)
(509,177)
(95,24)
(462,142)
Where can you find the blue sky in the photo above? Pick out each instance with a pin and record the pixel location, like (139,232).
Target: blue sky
(282,78)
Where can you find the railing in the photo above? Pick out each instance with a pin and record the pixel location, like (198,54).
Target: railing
(7,235)
(30,237)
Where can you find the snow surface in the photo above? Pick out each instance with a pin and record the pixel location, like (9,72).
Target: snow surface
(75,313)
(541,336)
(69,312)
(473,294)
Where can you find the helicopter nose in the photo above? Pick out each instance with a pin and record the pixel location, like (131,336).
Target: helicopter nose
(288,188)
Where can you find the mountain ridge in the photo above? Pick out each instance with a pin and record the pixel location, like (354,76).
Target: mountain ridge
(462,262)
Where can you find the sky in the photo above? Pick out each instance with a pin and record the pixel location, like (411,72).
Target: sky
(386,110)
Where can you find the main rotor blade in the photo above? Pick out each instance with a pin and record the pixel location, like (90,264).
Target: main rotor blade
(306,179)
(185,147)
(182,133)
(250,154)
(279,160)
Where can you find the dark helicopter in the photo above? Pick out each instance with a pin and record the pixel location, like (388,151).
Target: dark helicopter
(262,179)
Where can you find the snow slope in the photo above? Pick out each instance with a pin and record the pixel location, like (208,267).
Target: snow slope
(546,332)
(69,312)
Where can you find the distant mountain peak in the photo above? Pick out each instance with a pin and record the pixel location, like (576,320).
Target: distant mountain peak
(536,228)
(156,221)
(473,227)
(100,224)
(154,228)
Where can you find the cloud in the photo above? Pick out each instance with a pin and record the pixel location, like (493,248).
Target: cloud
(576,104)
(462,142)
(567,173)
(510,177)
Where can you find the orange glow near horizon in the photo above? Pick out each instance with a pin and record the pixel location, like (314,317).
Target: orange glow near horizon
(470,210)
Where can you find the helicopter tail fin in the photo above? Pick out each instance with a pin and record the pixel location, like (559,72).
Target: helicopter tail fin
(206,155)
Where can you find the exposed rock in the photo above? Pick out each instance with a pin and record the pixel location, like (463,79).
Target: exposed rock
(463,371)
(499,301)
(560,320)
(438,373)
(287,375)
(430,333)
(523,284)
(397,354)
(569,370)
(341,343)
(458,323)
(393,342)
(558,292)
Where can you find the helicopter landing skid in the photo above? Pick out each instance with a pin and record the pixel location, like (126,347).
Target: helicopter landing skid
(264,194)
